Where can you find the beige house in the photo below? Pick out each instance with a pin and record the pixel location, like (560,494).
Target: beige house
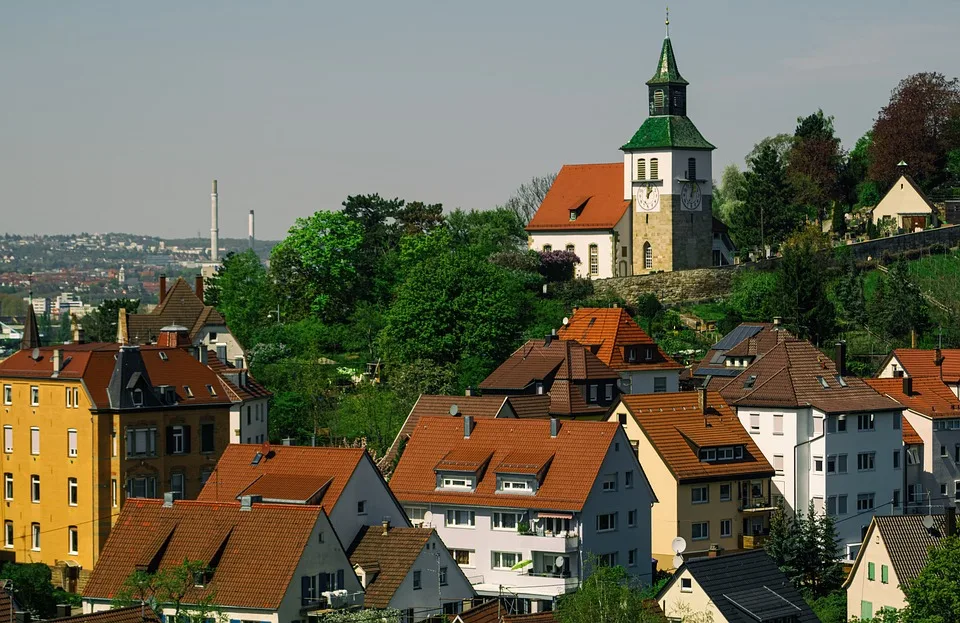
(711,480)
(894,552)
(906,205)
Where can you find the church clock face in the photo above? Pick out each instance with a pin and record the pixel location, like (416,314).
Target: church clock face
(691,199)
(648,199)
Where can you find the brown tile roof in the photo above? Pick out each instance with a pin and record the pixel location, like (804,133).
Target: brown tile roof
(393,554)
(910,435)
(130,614)
(748,339)
(907,541)
(180,306)
(530,405)
(608,332)
(789,376)
(290,470)
(578,452)
(244,576)
(489,611)
(251,389)
(918,362)
(595,190)
(928,396)
(9,607)
(677,429)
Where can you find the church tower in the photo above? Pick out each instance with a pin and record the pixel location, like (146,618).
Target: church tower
(668,178)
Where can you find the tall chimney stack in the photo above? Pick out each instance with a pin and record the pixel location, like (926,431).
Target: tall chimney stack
(250,230)
(214,229)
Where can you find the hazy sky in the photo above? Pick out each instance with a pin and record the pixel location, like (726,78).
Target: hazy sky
(116,115)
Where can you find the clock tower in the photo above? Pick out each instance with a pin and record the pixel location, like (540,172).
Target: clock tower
(668,178)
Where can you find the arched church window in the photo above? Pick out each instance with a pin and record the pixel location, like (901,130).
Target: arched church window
(641,168)
(654,169)
(691,168)
(594,260)
(658,98)
(647,255)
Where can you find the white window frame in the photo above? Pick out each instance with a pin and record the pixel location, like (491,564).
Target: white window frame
(149,436)
(729,495)
(35,488)
(73,492)
(704,532)
(8,439)
(754,423)
(866,461)
(35,440)
(866,422)
(515,485)
(609,484)
(594,259)
(686,585)
(179,439)
(73,540)
(8,486)
(497,560)
(35,537)
(71,442)
(8,534)
(455,515)
(416,515)
(69,392)
(457,482)
(34,396)
(728,523)
(497,522)
(778,464)
(178,485)
(704,497)
(8,395)
(471,557)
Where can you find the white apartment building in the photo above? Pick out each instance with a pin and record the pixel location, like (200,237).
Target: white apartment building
(833,441)
(527,507)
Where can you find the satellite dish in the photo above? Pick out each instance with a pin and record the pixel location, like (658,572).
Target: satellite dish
(559,561)
(35,354)
(454,409)
(427,516)
(928,522)
(566,321)
(679,545)
(677,561)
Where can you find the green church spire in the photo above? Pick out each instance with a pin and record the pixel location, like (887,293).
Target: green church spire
(667,72)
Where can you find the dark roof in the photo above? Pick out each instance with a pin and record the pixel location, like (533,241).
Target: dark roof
(747,587)
(31,334)
(130,614)
(908,542)
(181,306)
(9,607)
(668,131)
(752,339)
(667,71)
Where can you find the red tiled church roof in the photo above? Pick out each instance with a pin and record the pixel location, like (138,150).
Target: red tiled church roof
(595,191)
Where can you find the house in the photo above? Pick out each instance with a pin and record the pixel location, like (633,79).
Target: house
(408,569)
(738,349)
(577,382)
(894,552)
(128,614)
(525,505)
(932,411)
(905,206)
(183,306)
(308,569)
(746,587)
(943,364)
(832,439)
(250,410)
(652,212)
(711,481)
(616,339)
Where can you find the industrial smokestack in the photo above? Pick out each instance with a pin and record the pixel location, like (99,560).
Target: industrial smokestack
(250,230)
(214,229)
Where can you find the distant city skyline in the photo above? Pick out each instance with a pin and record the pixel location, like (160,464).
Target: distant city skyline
(118,115)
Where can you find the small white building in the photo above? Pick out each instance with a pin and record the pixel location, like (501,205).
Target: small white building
(906,206)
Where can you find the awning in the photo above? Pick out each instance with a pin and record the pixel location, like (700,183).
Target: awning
(555,515)
(759,509)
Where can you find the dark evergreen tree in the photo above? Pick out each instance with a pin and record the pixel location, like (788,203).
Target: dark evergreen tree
(802,277)
(768,214)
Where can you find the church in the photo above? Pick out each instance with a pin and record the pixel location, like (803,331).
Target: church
(653,212)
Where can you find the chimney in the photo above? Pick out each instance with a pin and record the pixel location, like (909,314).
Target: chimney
(547,340)
(163,286)
(214,230)
(122,327)
(467,426)
(250,230)
(702,399)
(777,321)
(79,335)
(951,521)
(198,285)
(385,524)
(57,355)
(554,427)
(913,338)
(168,499)
(247,501)
(841,358)
(908,385)
(286,441)
(714,551)
(468,391)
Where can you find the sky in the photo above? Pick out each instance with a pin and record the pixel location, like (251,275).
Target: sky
(117,115)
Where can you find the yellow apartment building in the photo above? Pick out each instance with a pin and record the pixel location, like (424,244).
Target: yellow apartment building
(711,481)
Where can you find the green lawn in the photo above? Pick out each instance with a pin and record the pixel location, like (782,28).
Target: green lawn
(937,275)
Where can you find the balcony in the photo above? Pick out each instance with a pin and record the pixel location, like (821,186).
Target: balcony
(754,541)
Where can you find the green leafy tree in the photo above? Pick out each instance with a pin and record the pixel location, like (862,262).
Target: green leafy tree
(933,596)
(100,325)
(373,413)
(768,214)
(649,307)
(830,608)
(488,231)
(728,194)
(754,295)
(782,144)
(241,292)
(608,594)
(815,163)
(168,588)
(803,275)
(32,587)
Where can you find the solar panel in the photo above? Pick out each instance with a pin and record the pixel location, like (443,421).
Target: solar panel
(736,336)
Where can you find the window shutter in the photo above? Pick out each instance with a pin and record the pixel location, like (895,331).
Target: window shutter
(169,445)
(304,588)
(340,583)
(186,440)
(323,583)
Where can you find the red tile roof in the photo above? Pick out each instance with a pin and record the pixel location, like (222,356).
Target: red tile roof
(918,362)
(290,471)
(928,396)
(130,614)
(608,332)
(494,612)
(595,190)
(390,556)
(530,405)
(910,435)
(677,429)
(260,548)
(789,376)
(578,452)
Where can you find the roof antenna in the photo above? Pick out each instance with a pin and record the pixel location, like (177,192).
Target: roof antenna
(667,22)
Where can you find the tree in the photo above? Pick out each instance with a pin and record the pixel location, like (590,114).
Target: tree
(814,168)
(768,215)
(933,597)
(849,292)
(373,413)
(728,194)
(241,292)
(100,325)
(558,265)
(780,143)
(526,200)
(898,306)
(65,331)
(805,548)
(489,231)
(168,588)
(803,274)
(608,594)
(32,587)
(919,126)
(649,307)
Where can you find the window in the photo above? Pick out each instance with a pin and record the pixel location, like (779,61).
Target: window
(754,422)
(913,455)
(866,461)
(72,491)
(943,452)
(460,519)
(943,490)
(34,440)
(114,494)
(832,464)
(608,392)
(35,488)
(76,398)
(610,482)
(841,463)
(659,384)
(505,560)
(686,585)
(69,392)
(72,442)
(594,260)
(142,487)
(35,534)
(571,248)
(142,441)
(777,423)
(778,464)
(896,459)
(884,574)
(818,504)
(647,255)
(865,421)
(457,483)
(211,390)
(34,396)
(823,382)
(896,498)
(756,489)
(691,168)
(708,454)
(8,533)
(177,485)
(417,515)
(8,394)
(654,169)
(73,540)
(726,528)
(725,492)
(362,507)
(865,501)
(8,486)
(700,531)
(641,169)
(593,392)
(832,505)
(547,248)
(700,495)
(608,560)
(818,464)
(8,439)
(539,388)
(506,521)
(632,558)
(817,426)
(177,437)
(442,576)
(914,493)
(138,397)
(896,421)
(463,557)
(841,424)
(628,479)
(607,522)
(187,391)
(417,580)
(206,438)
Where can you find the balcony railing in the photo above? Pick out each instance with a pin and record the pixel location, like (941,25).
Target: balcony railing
(754,541)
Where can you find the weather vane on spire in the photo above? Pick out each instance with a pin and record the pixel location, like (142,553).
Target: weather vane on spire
(667,22)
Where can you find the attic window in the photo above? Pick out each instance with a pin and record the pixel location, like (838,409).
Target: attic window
(163,356)
(138,397)
(823,382)
(573,215)
(840,381)
(211,390)
(257,458)
(748,384)
(188,391)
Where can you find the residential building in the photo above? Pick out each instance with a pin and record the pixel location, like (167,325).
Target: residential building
(932,411)
(616,339)
(502,611)
(654,212)
(308,569)
(577,382)
(905,206)
(525,504)
(943,364)
(250,410)
(738,349)
(741,587)
(895,551)
(711,481)
(129,614)
(87,426)
(408,569)
(183,306)
(831,438)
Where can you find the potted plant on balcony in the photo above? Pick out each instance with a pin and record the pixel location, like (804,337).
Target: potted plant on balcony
(523,527)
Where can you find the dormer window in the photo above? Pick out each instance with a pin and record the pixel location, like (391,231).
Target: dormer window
(515,485)
(573,215)
(840,381)
(748,384)
(457,482)
(138,397)
(539,387)
(649,354)
(211,390)
(593,393)
(631,353)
